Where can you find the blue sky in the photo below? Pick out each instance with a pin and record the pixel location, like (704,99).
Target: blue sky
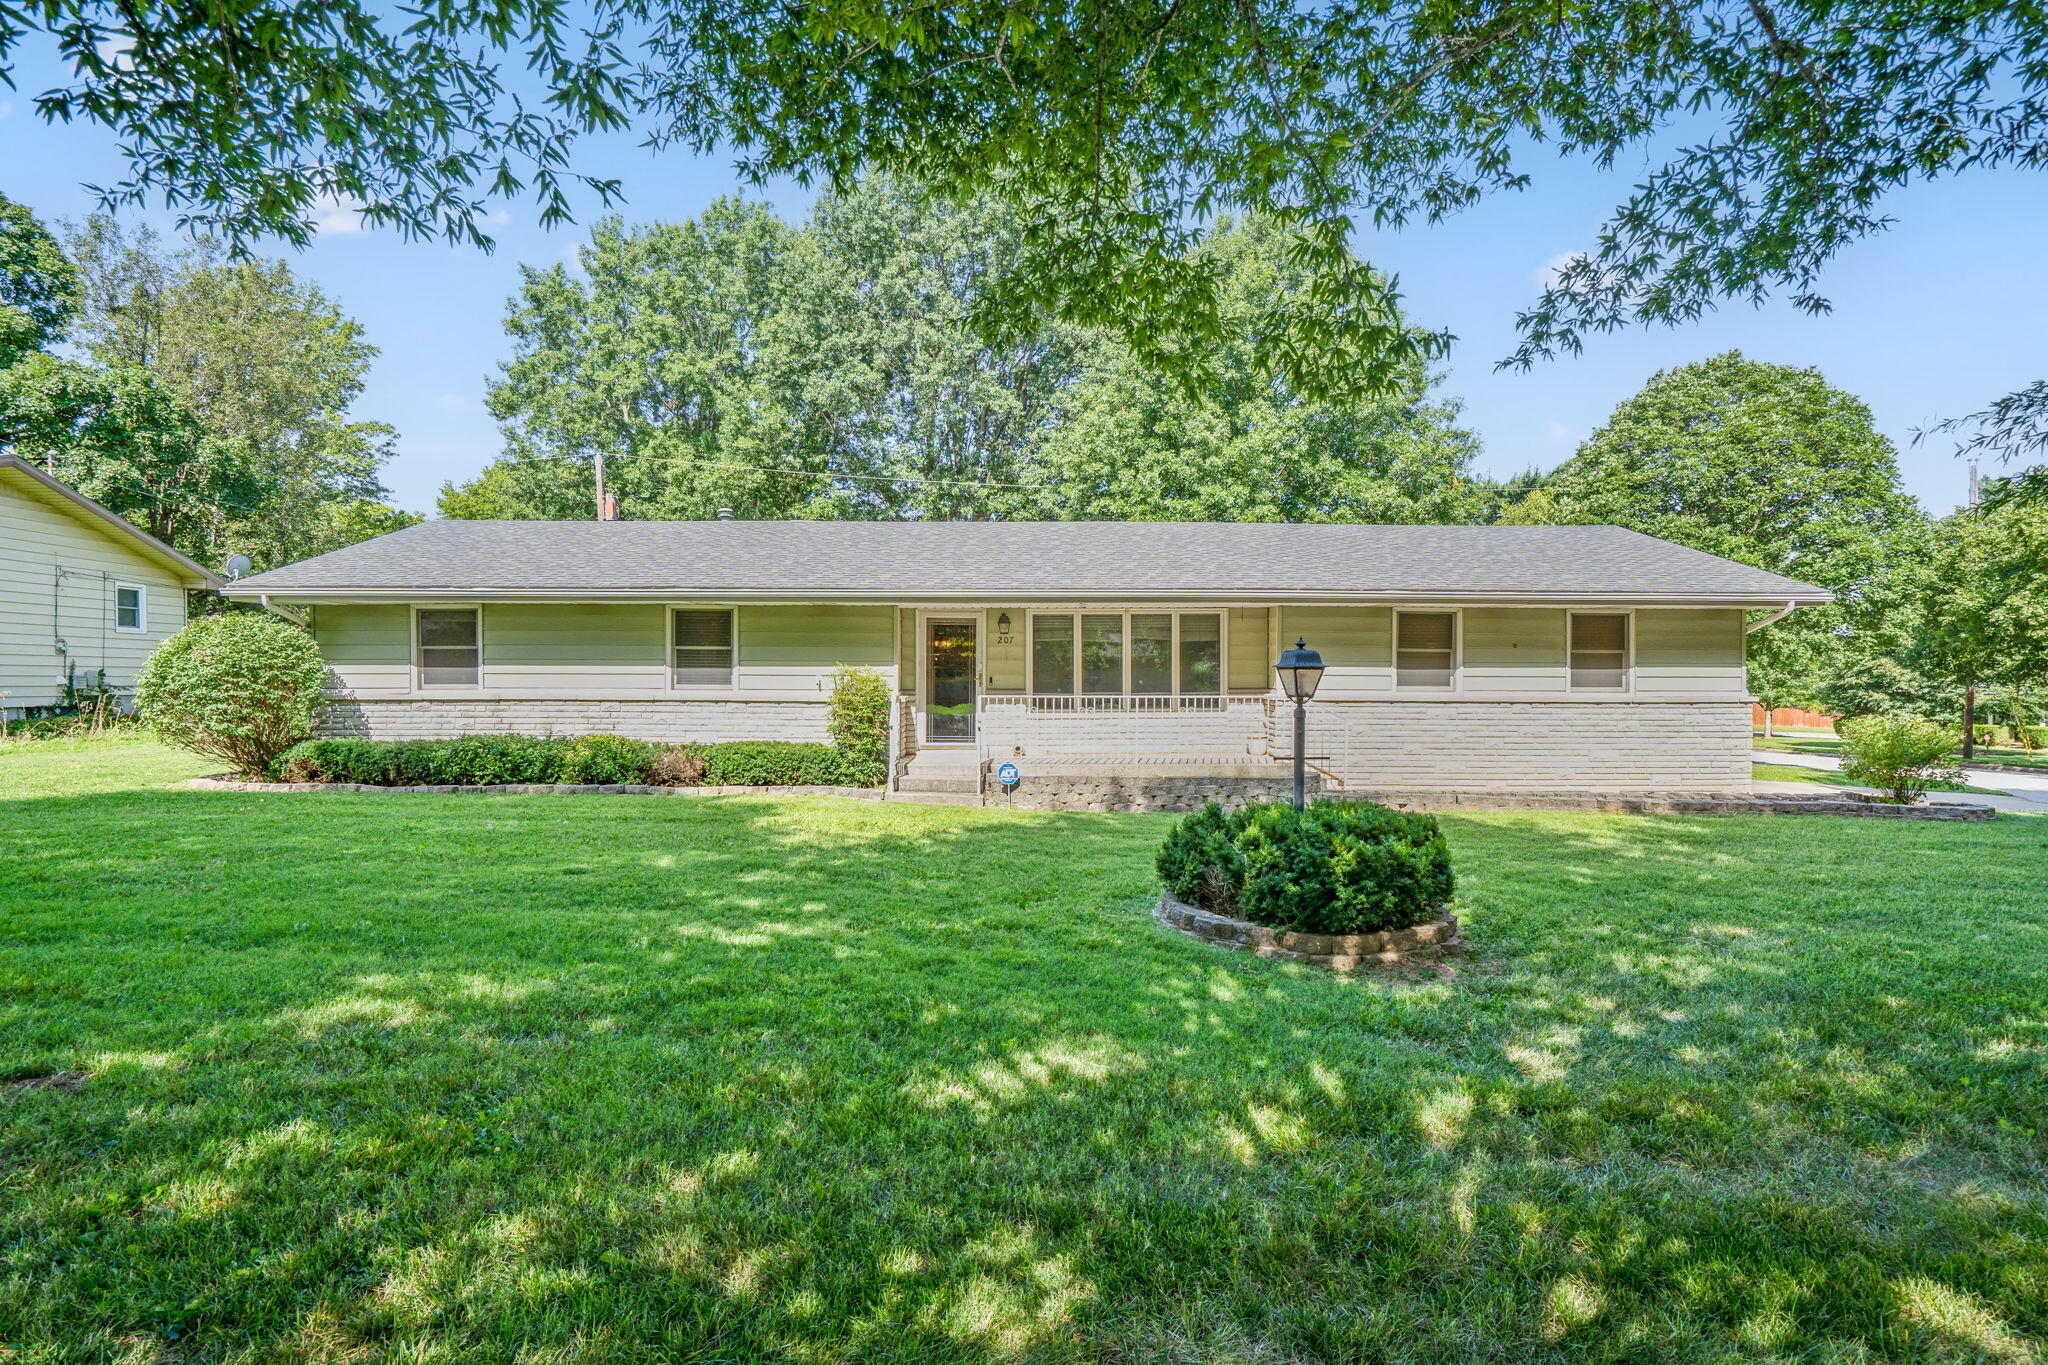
(1932,319)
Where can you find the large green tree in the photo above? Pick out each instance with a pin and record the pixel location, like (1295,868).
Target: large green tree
(38,285)
(1984,604)
(830,370)
(1766,464)
(268,364)
(1772,130)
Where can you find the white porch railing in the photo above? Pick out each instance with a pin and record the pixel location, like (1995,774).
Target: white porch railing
(1097,703)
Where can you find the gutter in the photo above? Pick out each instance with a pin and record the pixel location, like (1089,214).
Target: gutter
(1780,614)
(297,618)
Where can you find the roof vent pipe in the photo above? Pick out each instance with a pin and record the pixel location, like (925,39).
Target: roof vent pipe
(725,514)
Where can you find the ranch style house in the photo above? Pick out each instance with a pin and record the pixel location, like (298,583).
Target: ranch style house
(1460,658)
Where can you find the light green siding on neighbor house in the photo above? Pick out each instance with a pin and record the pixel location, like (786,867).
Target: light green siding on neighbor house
(41,535)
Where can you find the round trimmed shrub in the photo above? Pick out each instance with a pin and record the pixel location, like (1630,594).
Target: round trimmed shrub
(241,687)
(1338,867)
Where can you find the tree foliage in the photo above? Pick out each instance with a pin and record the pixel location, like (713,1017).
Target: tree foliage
(1772,132)
(1768,465)
(38,285)
(708,360)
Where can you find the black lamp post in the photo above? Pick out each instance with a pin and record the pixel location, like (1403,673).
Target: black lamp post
(1300,669)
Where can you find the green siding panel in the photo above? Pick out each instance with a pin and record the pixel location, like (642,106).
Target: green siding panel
(363,635)
(1346,637)
(590,634)
(817,636)
(1251,649)
(1689,638)
(1002,655)
(1514,637)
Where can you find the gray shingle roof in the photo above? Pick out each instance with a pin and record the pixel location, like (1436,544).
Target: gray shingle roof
(1022,560)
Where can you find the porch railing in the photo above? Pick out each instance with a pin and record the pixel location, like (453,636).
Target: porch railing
(1098,703)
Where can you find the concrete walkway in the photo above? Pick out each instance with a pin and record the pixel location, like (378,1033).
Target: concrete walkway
(2021,791)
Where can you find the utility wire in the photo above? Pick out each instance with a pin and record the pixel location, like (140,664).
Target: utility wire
(830,474)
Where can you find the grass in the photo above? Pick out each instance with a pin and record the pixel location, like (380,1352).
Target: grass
(1829,777)
(412,1078)
(1828,746)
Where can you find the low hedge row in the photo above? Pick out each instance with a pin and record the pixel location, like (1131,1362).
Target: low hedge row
(596,760)
(1338,867)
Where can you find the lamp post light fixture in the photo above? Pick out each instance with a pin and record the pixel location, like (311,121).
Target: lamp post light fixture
(1300,669)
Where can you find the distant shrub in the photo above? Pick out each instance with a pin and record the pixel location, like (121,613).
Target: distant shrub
(858,719)
(681,766)
(772,763)
(1900,756)
(240,687)
(604,760)
(1338,867)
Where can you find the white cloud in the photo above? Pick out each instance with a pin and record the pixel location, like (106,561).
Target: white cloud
(1557,431)
(337,215)
(500,217)
(572,256)
(6,108)
(1548,273)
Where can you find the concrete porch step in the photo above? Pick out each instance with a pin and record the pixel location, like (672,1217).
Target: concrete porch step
(935,798)
(914,781)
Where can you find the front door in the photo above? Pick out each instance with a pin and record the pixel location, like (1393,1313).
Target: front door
(949,680)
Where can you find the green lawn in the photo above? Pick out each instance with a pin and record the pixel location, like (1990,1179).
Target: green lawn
(600,1079)
(1828,746)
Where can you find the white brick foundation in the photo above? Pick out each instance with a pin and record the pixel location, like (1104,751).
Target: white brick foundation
(670,721)
(1526,746)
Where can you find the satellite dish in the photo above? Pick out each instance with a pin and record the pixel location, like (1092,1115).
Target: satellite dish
(236,566)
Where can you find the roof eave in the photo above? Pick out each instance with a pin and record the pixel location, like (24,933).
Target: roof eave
(254,589)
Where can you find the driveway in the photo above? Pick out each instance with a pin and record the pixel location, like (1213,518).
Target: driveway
(2023,791)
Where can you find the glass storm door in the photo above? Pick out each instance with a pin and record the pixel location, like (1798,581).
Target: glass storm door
(949,696)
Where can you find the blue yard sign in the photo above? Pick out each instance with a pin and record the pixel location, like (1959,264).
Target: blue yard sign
(1007,774)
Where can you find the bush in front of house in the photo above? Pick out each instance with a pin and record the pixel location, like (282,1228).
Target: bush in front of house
(581,760)
(240,687)
(1900,756)
(858,721)
(1338,867)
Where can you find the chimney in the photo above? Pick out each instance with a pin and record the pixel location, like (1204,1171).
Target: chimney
(608,510)
(725,514)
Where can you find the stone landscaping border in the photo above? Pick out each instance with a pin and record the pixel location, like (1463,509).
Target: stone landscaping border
(1672,803)
(1340,952)
(229,784)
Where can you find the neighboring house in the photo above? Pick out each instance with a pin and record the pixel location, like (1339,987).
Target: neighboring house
(81,590)
(1460,657)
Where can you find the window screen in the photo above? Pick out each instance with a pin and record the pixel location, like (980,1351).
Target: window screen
(1201,653)
(703,654)
(1102,655)
(128,611)
(1052,654)
(1425,648)
(451,647)
(1152,654)
(1599,651)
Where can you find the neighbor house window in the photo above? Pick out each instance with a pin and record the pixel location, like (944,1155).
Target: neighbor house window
(1144,653)
(1599,651)
(131,610)
(451,652)
(1425,648)
(703,647)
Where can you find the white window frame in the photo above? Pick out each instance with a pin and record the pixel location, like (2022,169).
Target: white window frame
(419,681)
(1222,615)
(668,655)
(1457,683)
(1628,652)
(141,625)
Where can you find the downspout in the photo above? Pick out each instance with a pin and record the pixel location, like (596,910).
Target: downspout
(297,618)
(1780,614)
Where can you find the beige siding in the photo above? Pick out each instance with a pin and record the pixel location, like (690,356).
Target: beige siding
(1252,650)
(1355,642)
(1514,649)
(1002,656)
(607,651)
(1690,651)
(40,535)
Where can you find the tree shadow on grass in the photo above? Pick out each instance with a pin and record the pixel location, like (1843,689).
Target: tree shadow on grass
(475,1078)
